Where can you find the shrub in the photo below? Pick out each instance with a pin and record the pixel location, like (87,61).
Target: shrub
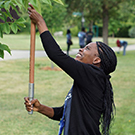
(123,32)
(74,31)
(131,32)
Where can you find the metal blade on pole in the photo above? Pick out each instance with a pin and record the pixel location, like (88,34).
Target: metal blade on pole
(32,63)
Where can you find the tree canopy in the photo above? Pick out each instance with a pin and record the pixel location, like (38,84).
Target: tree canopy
(10,23)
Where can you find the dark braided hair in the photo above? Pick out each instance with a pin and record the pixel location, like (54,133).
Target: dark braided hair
(108,64)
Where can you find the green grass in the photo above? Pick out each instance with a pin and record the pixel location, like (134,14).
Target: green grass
(51,88)
(124,88)
(22,41)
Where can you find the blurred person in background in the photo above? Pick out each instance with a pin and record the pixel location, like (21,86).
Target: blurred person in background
(82,36)
(89,36)
(69,41)
(121,43)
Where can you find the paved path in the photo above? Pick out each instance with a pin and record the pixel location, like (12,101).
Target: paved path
(19,54)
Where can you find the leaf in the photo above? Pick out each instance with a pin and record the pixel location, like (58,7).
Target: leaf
(21,24)
(7,14)
(19,3)
(39,6)
(14,27)
(1,2)
(2,18)
(5,47)
(2,54)
(20,20)
(6,28)
(59,1)
(33,2)
(36,4)
(47,2)
(7,5)
(1,33)
(25,3)
(14,7)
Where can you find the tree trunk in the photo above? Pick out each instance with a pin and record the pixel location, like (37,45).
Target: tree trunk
(113,35)
(105,25)
(91,25)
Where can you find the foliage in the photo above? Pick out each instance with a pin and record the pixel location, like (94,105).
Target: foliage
(132,32)
(6,27)
(123,31)
(113,27)
(74,31)
(15,23)
(2,48)
(54,17)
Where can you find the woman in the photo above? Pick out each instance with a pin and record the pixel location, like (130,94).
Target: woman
(90,100)
(69,41)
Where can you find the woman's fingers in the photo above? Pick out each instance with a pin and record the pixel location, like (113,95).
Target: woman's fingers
(26,99)
(31,105)
(34,101)
(28,104)
(31,6)
(33,15)
(29,109)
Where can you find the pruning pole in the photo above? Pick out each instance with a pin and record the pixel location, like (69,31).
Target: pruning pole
(32,63)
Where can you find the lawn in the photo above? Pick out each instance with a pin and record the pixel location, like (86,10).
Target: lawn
(48,84)
(51,88)
(22,41)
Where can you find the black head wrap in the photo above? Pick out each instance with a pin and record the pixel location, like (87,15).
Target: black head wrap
(107,56)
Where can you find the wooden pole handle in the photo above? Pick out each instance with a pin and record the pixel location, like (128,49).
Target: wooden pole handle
(32,53)
(32,63)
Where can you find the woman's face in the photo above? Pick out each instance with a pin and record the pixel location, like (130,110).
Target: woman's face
(88,53)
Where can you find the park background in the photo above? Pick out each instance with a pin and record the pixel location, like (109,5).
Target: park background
(51,86)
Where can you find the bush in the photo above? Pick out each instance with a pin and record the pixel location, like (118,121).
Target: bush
(131,32)
(123,32)
(74,31)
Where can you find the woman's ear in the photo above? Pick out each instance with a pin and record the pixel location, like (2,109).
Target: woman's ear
(96,61)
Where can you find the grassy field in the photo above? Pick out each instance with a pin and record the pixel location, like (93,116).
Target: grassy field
(22,42)
(51,88)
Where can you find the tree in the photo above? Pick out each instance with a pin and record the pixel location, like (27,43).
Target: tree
(104,9)
(54,17)
(15,24)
